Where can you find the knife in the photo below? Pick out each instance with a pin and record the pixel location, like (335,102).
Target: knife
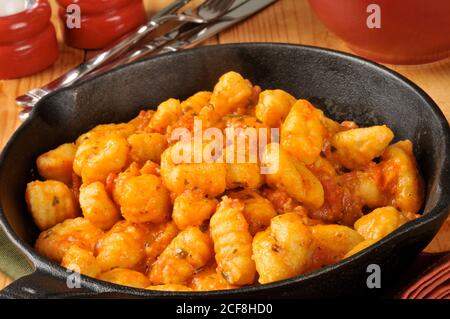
(185,38)
(189,35)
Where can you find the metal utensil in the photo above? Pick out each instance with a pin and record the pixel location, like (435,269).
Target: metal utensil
(178,39)
(208,11)
(191,37)
(183,30)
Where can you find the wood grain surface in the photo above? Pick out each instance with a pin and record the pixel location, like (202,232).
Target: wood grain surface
(289,21)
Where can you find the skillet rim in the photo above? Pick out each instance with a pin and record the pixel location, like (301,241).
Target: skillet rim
(40,263)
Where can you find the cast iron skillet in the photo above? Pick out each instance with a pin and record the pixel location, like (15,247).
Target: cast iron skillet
(344,86)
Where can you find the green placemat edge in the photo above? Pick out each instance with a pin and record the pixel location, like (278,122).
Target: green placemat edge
(12,262)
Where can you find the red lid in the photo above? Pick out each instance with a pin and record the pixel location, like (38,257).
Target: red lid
(27,41)
(102,21)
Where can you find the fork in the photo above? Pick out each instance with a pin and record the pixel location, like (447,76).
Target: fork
(208,11)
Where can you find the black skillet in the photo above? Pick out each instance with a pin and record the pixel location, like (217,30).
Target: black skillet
(345,87)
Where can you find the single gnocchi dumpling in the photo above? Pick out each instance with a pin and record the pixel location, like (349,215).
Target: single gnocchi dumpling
(380,223)
(231,93)
(302,132)
(283,250)
(50,203)
(233,243)
(333,242)
(115,182)
(192,208)
(357,147)
(293,176)
(57,164)
(125,277)
(273,107)
(97,157)
(97,206)
(122,246)
(144,199)
(56,241)
(166,114)
(82,261)
(190,250)
(402,177)
(147,147)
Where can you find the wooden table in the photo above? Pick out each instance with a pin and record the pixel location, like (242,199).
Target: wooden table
(286,21)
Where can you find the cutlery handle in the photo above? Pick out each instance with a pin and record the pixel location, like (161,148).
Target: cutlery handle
(84,68)
(119,47)
(146,50)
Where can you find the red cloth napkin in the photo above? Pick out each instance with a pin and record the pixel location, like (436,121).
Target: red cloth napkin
(434,283)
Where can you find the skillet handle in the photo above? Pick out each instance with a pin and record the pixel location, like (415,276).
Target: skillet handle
(40,285)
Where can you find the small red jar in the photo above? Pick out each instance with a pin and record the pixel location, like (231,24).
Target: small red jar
(27,41)
(102,21)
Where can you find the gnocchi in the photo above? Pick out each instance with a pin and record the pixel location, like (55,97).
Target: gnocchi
(232,243)
(121,247)
(192,208)
(273,107)
(283,250)
(82,261)
(166,213)
(57,164)
(56,241)
(50,203)
(380,223)
(144,199)
(357,147)
(190,250)
(97,206)
(294,177)
(302,132)
(97,157)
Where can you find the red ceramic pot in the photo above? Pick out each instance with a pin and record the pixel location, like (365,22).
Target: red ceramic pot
(27,41)
(102,21)
(411,32)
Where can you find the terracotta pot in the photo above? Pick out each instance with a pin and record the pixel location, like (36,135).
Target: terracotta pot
(27,41)
(411,31)
(101,21)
